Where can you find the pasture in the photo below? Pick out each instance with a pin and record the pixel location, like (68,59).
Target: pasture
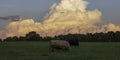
(40,51)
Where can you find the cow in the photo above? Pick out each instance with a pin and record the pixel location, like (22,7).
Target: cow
(59,45)
(73,42)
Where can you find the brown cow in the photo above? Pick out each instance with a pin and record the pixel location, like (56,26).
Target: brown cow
(59,45)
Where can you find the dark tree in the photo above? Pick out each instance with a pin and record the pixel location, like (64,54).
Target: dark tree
(33,36)
(21,38)
(15,38)
(0,39)
(89,37)
(8,39)
(47,38)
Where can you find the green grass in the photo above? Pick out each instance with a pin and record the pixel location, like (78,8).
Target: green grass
(40,51)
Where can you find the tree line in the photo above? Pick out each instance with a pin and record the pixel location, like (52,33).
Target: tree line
(89,37)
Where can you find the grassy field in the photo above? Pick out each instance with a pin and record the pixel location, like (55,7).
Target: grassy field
(40,51)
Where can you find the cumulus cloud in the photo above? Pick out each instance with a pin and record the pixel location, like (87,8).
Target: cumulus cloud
(68,16)
(71,15)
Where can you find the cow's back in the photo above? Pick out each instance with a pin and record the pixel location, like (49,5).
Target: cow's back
(61,44)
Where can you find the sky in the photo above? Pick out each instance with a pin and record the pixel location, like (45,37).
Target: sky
(36,9)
